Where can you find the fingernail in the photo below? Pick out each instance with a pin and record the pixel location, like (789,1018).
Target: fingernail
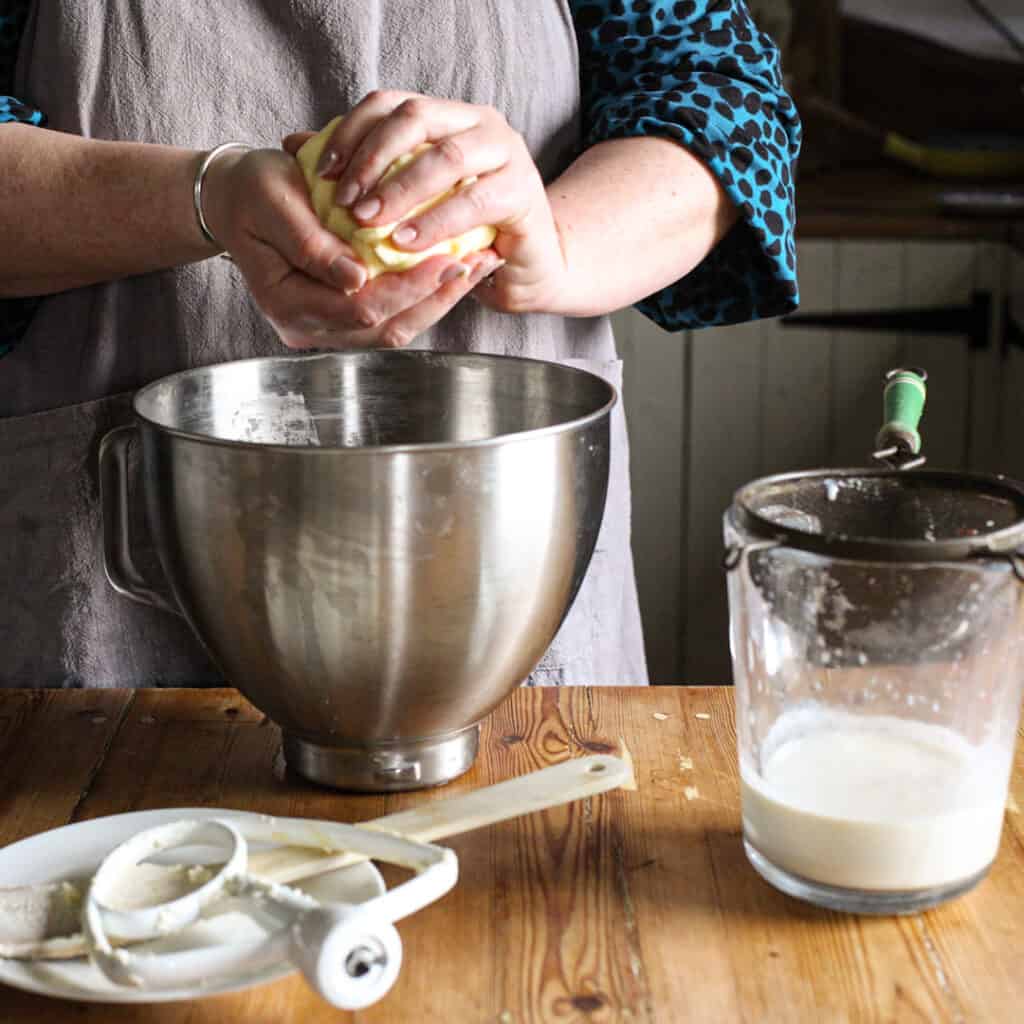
(454,272)
(367,208)
(405,234)
(486,269)
(342,269)
(348,195)
(328,158)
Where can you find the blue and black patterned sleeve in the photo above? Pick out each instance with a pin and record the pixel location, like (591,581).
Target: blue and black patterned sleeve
(14,313)
(14,110)
(700,72)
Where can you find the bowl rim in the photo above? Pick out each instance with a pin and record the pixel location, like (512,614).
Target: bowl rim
(384,449)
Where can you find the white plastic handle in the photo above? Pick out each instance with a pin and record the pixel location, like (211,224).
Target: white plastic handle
(537,791)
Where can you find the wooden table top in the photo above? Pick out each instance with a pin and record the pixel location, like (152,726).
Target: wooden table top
(631,906)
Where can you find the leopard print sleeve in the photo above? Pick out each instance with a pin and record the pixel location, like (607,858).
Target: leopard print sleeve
(700,72)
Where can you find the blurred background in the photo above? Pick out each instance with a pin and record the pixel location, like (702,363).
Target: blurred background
(910,203)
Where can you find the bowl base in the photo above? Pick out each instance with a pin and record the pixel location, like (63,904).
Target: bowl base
(857,901)
(386,766)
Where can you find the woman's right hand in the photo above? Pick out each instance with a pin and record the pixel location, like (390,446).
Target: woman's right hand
(307,281)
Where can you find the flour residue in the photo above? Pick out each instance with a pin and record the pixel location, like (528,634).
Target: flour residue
(275,419)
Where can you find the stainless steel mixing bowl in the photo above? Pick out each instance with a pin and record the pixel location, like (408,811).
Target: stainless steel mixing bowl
(375,547)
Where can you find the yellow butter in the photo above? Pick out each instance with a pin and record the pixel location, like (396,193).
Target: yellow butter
(373,245)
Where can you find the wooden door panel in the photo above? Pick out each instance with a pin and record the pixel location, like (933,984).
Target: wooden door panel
(942,275)
(724,451)
(654,387)
(1011,403)
(796,370)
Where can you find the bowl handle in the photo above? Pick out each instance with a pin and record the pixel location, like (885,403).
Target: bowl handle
(118,564)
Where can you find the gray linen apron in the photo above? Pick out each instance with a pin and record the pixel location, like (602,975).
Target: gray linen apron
(196,74)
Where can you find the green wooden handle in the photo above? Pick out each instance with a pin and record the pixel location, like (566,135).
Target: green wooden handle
(903,403)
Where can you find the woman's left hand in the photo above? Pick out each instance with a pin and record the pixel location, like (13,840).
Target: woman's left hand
(468,141)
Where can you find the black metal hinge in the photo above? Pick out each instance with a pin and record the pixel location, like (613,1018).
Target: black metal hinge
(973,321)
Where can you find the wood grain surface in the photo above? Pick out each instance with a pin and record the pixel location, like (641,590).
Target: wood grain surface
(631,906)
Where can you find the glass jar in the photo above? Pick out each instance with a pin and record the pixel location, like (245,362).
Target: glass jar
(877,640)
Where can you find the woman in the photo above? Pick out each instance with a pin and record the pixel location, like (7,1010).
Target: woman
(627,152)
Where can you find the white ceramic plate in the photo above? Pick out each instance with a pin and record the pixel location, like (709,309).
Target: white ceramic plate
(75,851)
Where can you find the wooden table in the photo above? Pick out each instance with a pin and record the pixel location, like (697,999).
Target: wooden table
(633,906)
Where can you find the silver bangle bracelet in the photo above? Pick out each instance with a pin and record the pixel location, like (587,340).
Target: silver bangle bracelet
(197,188)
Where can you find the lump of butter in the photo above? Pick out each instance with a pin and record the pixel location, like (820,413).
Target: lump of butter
(373,245)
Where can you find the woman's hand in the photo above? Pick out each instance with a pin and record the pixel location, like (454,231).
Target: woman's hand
(469,141)
(305,279)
